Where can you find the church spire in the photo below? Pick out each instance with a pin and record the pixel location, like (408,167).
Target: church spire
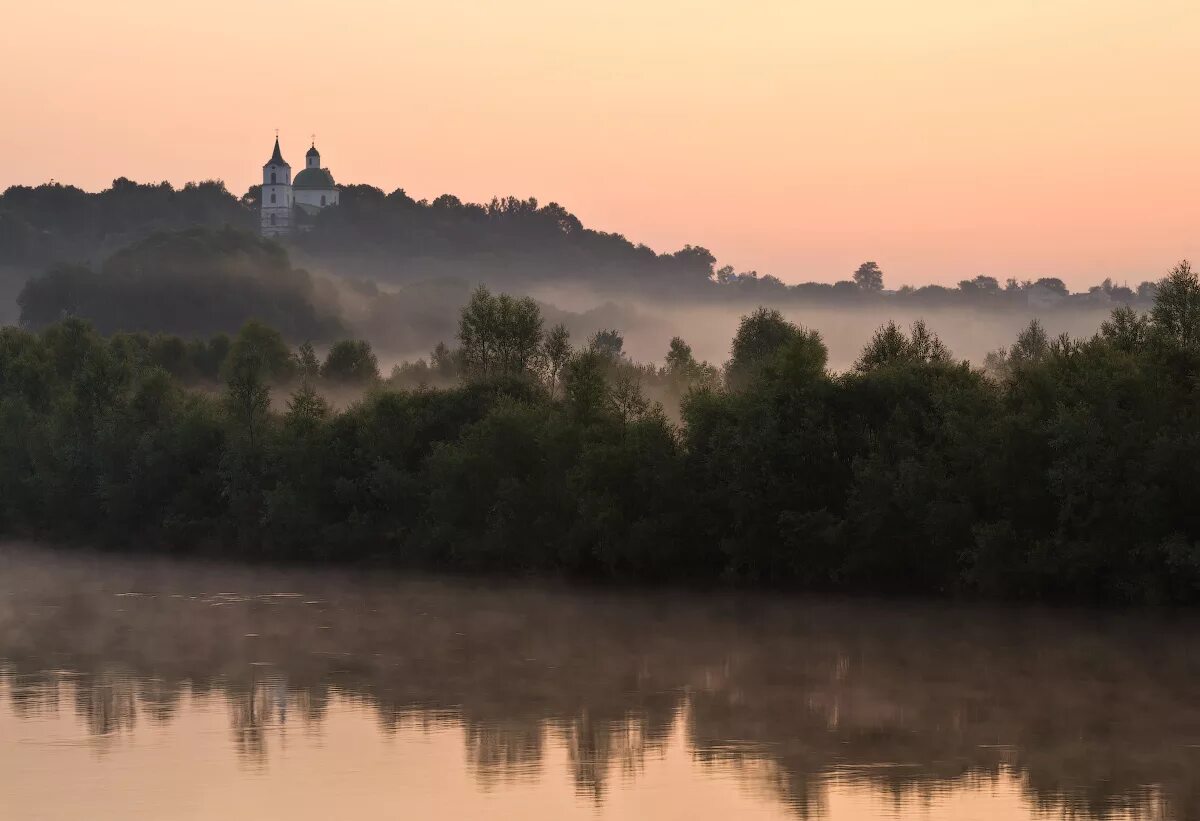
(276,157)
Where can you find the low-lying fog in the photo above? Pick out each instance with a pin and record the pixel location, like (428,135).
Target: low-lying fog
(970,334)
(407,323)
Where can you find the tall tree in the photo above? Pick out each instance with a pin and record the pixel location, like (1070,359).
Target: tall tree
(889,345)
(760,336)
(869,277)
(684,372)
(556,352)
(307,364)
(248,398)
(261,349)
(499,334)
(1176,312)
(608,343)
(351,362)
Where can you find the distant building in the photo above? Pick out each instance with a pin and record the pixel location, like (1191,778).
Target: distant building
(289,206)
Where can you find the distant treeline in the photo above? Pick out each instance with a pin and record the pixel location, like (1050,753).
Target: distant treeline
(196,282)
(54,223)
(508,242)
(1065,470)
(203,282)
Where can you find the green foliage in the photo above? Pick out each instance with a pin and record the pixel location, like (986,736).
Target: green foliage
(607,343)
(195,282)
(556,352)
(586,384)
(308,367)
(54,220)
(351,362)
(980,285)
(869,277)
(684,373)
(499,334)
(1065,473)
(1126,329)
(373,233)
(443,369)
(760,336)
(260,350)
(1176,314)
(1052,285)
(248,397)
(496,498)
(890,346)
(537,241)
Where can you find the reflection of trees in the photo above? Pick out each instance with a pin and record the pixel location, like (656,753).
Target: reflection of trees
(107,702)
(589,747)
(1094,714)
(503,751)
(31,695)
(254,711)
(597,742)
(1086,712)
(159,699)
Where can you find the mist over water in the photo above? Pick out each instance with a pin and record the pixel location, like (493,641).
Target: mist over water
(691,388)
(158,688)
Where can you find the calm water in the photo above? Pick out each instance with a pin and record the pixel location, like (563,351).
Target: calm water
(134,689)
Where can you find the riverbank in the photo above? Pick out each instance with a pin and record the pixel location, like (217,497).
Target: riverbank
(1064,472)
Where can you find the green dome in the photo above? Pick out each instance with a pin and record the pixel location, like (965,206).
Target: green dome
(315,178)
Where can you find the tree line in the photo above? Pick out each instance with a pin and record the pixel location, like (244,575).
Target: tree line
(52,223)
(194,283)
(507,242)
(1062,470)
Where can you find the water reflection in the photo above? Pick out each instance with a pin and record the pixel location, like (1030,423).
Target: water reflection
(1088,715)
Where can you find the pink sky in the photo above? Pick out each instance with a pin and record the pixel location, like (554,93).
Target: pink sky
(942,138)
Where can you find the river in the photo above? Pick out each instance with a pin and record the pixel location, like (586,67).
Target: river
(134,688)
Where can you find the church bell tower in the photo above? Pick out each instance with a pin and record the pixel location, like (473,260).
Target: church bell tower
(276,201)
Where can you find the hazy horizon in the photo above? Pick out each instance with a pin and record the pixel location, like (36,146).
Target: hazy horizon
(528,487)
(942,140)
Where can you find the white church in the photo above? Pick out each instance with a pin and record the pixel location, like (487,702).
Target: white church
(289,206)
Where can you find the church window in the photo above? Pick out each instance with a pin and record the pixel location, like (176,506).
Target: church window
(272,219)
(322,200)
(272,197)
(272,177)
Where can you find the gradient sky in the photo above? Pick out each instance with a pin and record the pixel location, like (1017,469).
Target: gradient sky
(943,138)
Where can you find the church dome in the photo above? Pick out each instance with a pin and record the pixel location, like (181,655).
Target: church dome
(313,152)
(314,178)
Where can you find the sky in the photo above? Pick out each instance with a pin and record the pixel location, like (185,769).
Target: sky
(941,138)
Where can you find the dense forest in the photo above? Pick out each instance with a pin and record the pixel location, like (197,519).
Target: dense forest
(1062,470)
(509,242)
(395,271)
(194,282)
